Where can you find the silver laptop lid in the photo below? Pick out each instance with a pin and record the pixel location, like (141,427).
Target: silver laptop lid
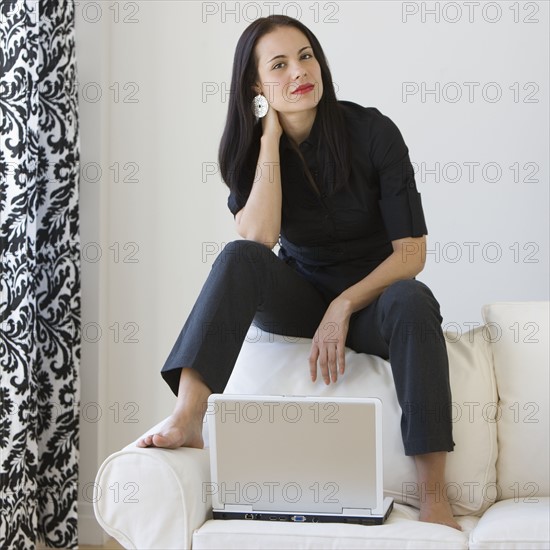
(295,454)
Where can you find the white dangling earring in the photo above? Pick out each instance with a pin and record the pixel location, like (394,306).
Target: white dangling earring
(260,106)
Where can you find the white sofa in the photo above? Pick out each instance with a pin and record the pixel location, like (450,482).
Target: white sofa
(497,477)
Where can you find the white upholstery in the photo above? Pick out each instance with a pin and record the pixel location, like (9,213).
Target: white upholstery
(471,467)
(153,508)
(522,366)
(402,530)
(272,364)
(495,456)
(514,524)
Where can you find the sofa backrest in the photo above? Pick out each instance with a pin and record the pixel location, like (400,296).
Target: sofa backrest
(272,364)
(518,338)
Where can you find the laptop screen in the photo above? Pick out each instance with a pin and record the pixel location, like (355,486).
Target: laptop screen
(295,454)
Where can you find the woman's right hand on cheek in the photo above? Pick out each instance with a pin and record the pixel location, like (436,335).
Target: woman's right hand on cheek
(271,125)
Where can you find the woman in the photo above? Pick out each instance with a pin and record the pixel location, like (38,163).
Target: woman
(333,182)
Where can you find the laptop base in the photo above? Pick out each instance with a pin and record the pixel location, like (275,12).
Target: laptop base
(308,518)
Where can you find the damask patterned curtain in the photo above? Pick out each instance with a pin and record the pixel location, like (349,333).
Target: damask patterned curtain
(39,279)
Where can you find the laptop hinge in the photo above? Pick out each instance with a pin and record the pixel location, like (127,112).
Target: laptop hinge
(238,507)
(357,511)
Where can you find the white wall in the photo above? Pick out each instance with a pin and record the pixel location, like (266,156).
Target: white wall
(154,82)
(92,44)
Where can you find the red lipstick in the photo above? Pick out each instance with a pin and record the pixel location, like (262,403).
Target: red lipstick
(304,88)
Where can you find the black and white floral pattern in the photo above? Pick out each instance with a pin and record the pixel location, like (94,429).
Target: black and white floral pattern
(40,275)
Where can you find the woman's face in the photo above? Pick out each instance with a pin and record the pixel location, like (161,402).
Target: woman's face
(288,73)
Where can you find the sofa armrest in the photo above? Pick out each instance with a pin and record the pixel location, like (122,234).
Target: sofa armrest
(153,498)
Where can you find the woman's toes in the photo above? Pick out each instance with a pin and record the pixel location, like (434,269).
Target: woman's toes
(144,441)
(160,440)
(173,435)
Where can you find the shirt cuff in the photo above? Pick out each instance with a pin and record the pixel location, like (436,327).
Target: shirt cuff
(403,215)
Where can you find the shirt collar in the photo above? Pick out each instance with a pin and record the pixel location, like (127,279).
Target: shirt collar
(312,139)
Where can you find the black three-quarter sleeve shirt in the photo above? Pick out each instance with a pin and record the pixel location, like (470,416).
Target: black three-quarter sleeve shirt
(335,239)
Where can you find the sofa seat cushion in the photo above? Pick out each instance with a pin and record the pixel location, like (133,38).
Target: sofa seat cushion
(514,524)
(401,531)
(272,364)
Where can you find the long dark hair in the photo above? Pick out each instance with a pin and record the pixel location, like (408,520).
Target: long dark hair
(240,143)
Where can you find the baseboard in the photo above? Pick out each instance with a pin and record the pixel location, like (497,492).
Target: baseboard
(89,530)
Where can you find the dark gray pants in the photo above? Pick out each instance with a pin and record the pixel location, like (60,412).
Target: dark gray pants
(249,283)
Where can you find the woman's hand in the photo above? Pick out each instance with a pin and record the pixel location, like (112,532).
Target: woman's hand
(328,347)
(260,219)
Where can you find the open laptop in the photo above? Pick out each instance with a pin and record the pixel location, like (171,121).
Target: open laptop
(296,458)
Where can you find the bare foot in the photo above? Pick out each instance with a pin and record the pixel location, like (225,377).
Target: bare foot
(438,512)
(174,433)
(184,427)
(434,507)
